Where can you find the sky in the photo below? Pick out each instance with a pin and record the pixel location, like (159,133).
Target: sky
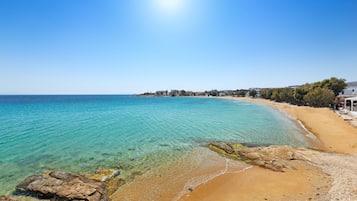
(136,46)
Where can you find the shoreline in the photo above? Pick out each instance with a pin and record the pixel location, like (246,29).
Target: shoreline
(332,169)
(311,138)
(182,176)
(319,179)
(333,132)
(206,175)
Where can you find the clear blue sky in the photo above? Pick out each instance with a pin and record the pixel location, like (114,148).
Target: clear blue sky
(133,46)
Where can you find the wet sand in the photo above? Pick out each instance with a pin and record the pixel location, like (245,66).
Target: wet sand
(262,184)
(334,133)
(326,176)
(173,180)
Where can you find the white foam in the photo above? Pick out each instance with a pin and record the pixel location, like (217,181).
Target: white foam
(309,134)
(196,181)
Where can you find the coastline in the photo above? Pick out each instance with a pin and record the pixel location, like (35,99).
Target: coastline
(328,175)
(333,132)
(206,175)
(333,169)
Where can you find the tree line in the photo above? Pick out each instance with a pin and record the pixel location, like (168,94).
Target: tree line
(317,94)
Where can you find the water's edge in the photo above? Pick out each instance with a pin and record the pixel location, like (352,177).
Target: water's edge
(160,131)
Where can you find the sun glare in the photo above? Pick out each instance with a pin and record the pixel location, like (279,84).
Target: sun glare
(170,7)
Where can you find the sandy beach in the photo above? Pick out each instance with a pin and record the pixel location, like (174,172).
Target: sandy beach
(327,176)
(330,174)
(334,133)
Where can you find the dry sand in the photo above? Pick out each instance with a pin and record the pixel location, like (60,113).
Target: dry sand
(330,175)
(334,133)
(262,184)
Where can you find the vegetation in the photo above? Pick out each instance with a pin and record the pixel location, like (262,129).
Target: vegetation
(252,93)
(241,92)
(318,94)
(320,97)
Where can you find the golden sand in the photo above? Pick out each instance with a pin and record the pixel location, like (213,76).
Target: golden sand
(262,184)
(335,134)
(305,182)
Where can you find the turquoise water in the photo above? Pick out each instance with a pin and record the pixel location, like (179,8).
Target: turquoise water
(83,133)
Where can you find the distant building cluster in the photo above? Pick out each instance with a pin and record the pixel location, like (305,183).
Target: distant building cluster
(174,92)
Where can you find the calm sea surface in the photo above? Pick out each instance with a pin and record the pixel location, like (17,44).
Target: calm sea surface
(83,133)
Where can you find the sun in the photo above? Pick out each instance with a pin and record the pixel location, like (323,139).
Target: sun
(170,7)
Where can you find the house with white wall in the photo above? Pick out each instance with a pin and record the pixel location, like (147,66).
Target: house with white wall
(348,99)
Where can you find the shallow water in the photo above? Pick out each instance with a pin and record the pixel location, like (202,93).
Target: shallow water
(134,134)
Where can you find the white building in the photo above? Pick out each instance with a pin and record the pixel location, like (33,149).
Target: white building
(351,106)
(351,90)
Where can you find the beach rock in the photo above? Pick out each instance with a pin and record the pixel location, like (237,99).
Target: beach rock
(271,157)
(110,179)
(224,146)
(7,198)
(64,186)
(113,184)
(104,174)
(25,183)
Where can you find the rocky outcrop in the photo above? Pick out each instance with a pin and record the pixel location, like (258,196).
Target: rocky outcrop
(227,148)
(64,186)
(271,157)
(110,179)
(104,174)
(7,198)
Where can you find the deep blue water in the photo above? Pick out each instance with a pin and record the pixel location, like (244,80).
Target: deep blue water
(82,133)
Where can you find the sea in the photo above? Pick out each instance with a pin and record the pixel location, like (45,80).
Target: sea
(81,133)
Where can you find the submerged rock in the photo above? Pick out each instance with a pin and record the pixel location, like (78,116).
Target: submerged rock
(7,198)
(228,148)
(104,174)
(271,157)
(110,179)
(64,186)
(113,184)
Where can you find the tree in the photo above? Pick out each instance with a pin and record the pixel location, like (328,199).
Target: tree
(316,94)
(213,92)
(266,93)
(241,92)
(276,95)
(252,93)
(299,94)
(320,97)
(334,84)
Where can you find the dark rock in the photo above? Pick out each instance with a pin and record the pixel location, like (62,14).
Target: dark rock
(224,146)
(65,186)
(25,183)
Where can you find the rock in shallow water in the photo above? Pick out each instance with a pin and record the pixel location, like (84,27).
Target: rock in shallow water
(104,174)
(7,198)
(270,157)
(65,186)
(110,179)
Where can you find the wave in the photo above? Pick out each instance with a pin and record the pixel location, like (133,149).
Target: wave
(199,180)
